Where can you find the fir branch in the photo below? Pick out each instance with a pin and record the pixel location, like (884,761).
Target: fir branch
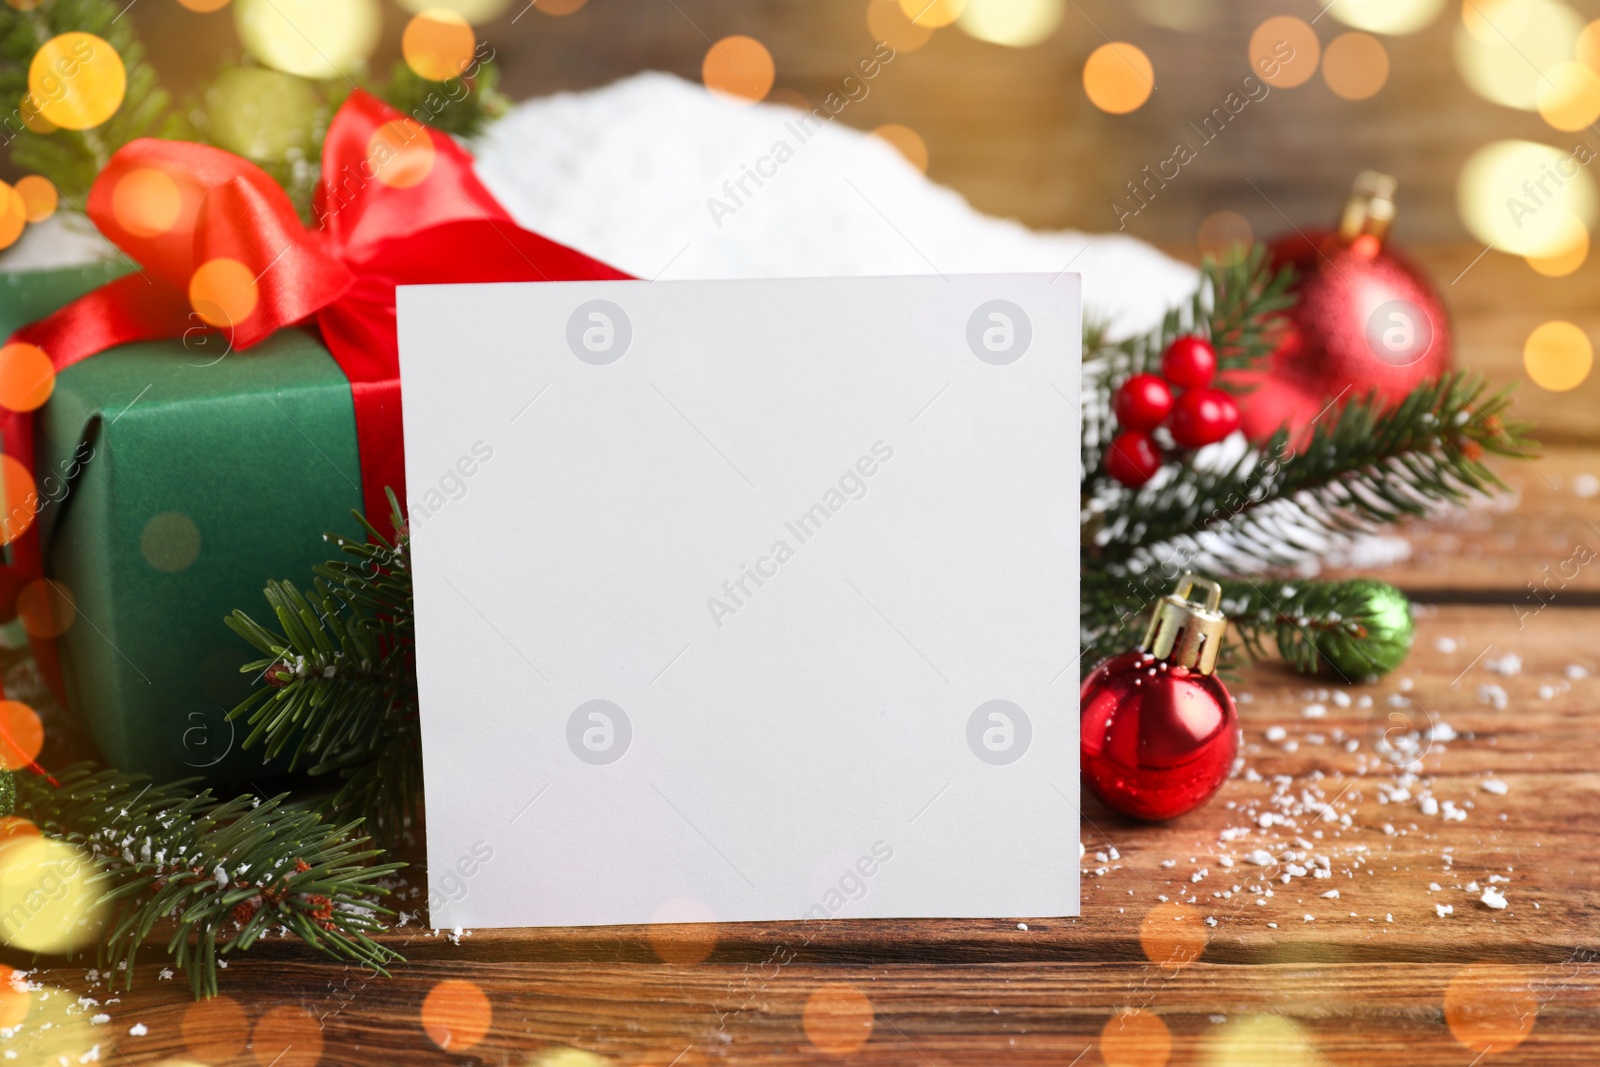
(462,106)
(1370,464)
(341,693)
(221,873)
(71,159)
(1304,619)
(1237,307)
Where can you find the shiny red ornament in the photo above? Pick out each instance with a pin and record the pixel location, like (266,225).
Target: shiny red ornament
(1142,402)
(1158,730)
(1189,362)
(1202,417)
(1366,318)
(1133,458)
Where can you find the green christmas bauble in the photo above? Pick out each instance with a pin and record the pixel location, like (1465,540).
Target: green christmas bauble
(8,793)
(1375,634)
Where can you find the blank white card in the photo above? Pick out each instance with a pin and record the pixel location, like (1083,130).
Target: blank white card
(746,600)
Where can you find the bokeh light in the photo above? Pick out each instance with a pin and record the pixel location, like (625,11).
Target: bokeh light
(1491,1006)
(1118,77)
(933,13)
(1135,1039)
(1568,96)
(78,79)
(456,1014)
(1495,21)
(1522,197)
(401,153)
(838,1019)
(262,114)
(1355,65)
(1566,259)
(739,70)
(1386,16)
(1284,51)
(311,38)
(215,1030)
(683,930)
(438,44)
(1224,235)
(26,376)
(13,215)
(1502,49)
(477,12)
(39,197)
(559,7)
(56,1031)
(18,487)
(46,608)
(1260,1041)
(16,826)
(888,23)
(1185,16)
(14,998)
(1172,935)
(32,115)
(287,1037)
(170,542)
(204,7)
(21,735)
(1587,50)
(146,202)
(49,895)
(907,142)
(1557,356)
(223,292)
(1014,23)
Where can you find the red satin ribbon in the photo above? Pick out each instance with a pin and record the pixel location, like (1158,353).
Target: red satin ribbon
(397,204)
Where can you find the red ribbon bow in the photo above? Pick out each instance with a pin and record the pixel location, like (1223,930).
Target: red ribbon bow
(222,248)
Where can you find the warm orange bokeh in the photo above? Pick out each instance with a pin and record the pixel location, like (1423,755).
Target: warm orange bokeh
(46,608)
(26,377)
(838,1019)
(438,45)
(21,735)
(456,1014)
(739,70)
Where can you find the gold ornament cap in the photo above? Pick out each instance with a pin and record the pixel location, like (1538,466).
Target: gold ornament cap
(1187,633)
(1370,209)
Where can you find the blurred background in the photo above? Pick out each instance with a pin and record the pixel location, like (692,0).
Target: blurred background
(1052,111)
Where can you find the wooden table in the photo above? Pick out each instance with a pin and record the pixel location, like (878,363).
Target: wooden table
(1168,964)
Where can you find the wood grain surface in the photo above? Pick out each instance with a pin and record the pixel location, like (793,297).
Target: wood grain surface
(1508,686)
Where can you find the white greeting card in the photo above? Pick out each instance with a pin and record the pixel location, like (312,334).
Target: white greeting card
(746,600)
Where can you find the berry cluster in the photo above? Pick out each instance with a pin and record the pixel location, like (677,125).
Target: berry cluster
(1195,416)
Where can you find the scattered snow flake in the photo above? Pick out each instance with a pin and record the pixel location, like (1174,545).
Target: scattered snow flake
(1211,920)
(1494,696)
(1022,926)
(1332,894)
(1441,910)
(1428,806)
(1260,857)
(101,1018)
(1445,644)
(166,974)
(1442,731)
(1575,672)
(1308,918)
(1315,711)
(138,1030)
(1276,733)
(1494,785)
(1506,666)
(1493,898)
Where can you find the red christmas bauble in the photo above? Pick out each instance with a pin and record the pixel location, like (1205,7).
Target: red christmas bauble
(1189,362)
(1158,739)
(1133,458)
(1202,417)
(1367,318)
(1142,402)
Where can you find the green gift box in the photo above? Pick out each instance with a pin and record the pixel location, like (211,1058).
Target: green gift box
(176,478)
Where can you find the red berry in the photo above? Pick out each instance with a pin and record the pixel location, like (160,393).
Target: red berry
(1133,458)
(1142,402)
(1189,362)
(1203,417)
